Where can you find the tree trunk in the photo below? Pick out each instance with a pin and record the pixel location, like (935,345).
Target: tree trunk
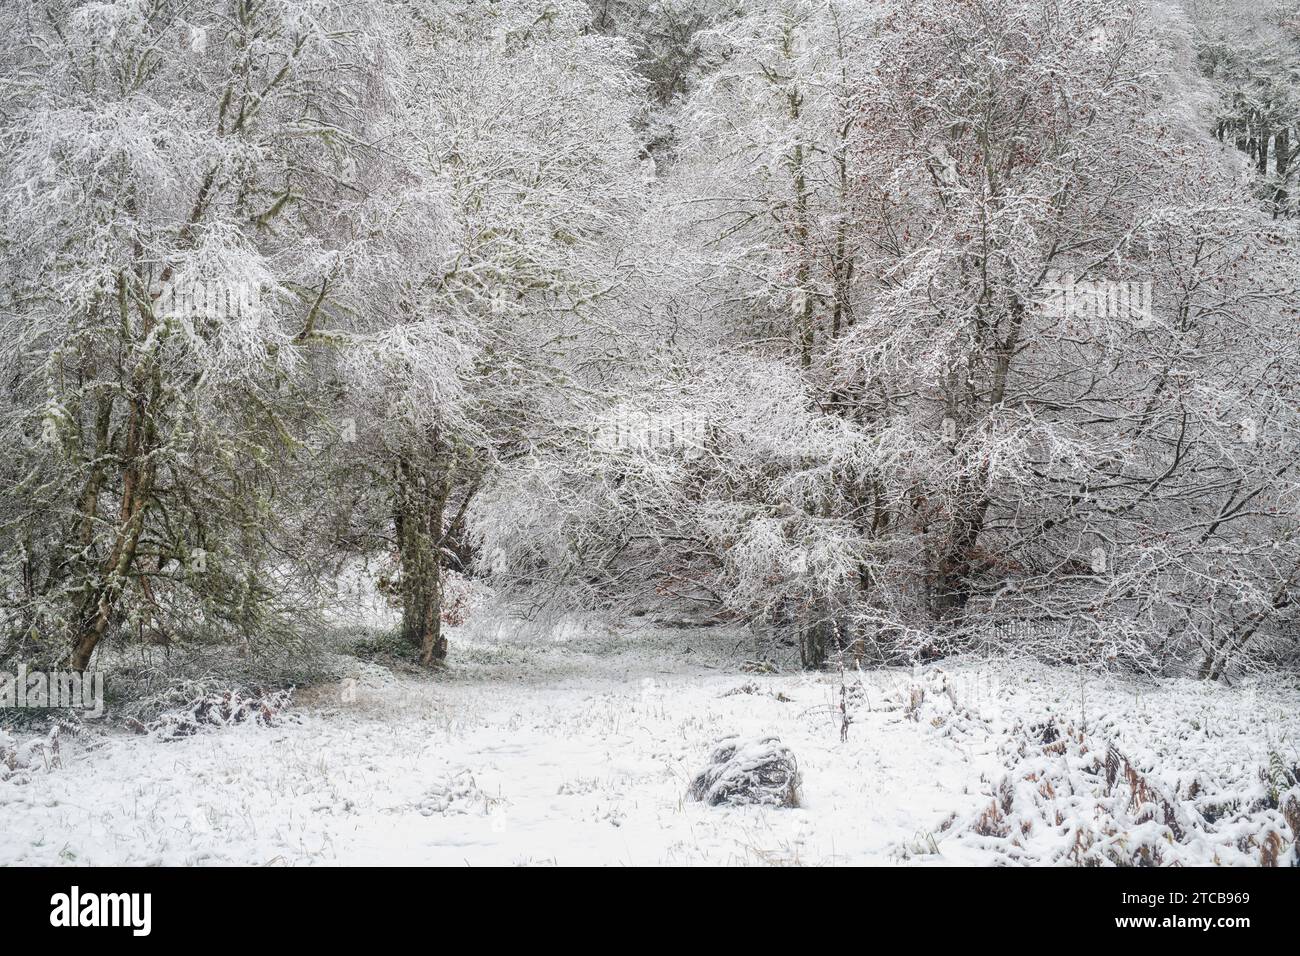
(813,645)
(956,563)
(817,636)
(1282,161)
(98,609)
(423,489)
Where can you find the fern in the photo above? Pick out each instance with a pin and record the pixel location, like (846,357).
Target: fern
(1279,778)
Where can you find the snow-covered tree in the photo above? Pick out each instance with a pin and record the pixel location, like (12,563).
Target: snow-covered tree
(905,325)
(519,128)
(1053,350)
(1020,332)
(1251,54)
(170,172)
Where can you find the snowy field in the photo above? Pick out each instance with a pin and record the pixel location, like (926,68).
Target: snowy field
(580,749)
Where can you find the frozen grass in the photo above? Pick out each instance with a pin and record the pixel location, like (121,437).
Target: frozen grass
(534,750)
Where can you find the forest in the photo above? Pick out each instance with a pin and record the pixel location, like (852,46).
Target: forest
(909,375)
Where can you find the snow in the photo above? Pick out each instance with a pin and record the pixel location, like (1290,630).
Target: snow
(531,750)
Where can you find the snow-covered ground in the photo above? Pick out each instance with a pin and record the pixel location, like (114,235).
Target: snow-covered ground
(578,749)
